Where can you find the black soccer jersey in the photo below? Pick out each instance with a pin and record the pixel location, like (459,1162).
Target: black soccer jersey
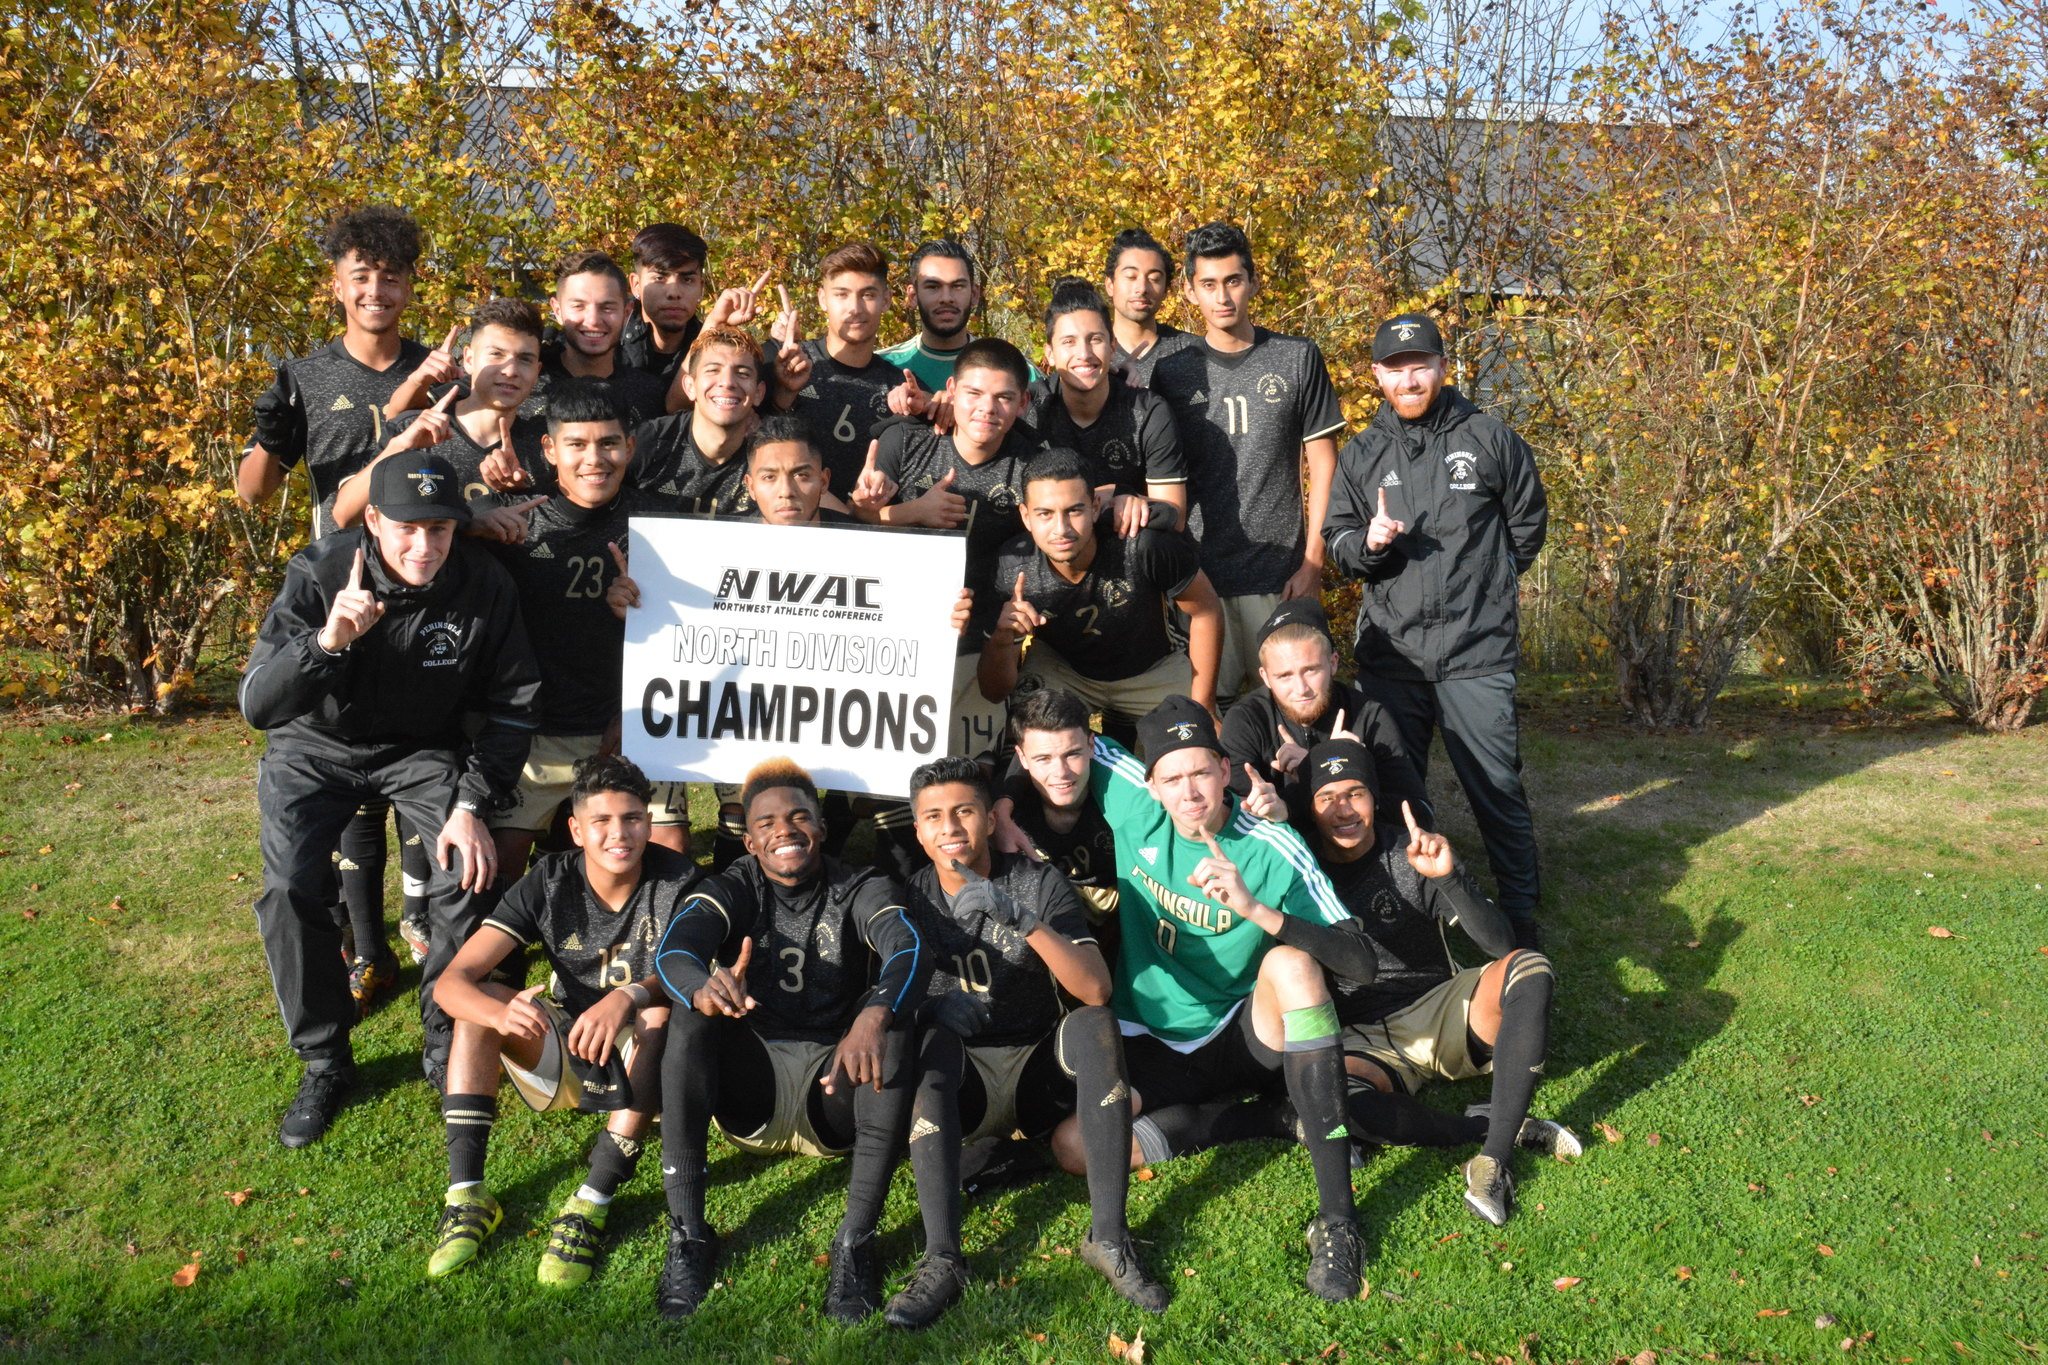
(823,951)
(980,953)
(1138,369)
(1405,915)
(1251,734)
(1112,624)
(562,572)
(467,456)
(1132,442)
(592,948)
(917,457)
(1244,416)
(635,395)
(676,477)
(843,406)
(637,349)
(327,411)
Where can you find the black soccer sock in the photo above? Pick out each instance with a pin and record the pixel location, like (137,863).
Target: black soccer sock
(935,1137)
(362,879)
(413,871)
(612,1162)
(1314,1067)
(689,1081)
(1402,1121)
(729,844)
(1091,1051)
(467,1120)
(1184,1129)
(879,1120)
(1518,1050)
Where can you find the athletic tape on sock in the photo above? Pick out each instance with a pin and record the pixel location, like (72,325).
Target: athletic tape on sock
(1310,1028)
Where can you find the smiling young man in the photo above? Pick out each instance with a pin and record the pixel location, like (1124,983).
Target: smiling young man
(1127,435)
(1439,509)
(811,1055)
(1045,807)
(690,461)
(1094,605)
(591,304)
(668,290)
(1136,277)
(1002,1050)
(1255,407)
(1228,926)
(596,913)
(393,664)
(847,395)
(968,479)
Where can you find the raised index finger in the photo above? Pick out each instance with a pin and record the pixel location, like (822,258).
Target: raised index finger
(453,333)
(739,963)
(618,555)
(761,283)
(1383,502)
(1020,598)
(1215,849)
(441,403)
(355,573)
(1414,830)
(874,449)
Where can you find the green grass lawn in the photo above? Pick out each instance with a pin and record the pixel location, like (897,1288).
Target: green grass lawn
(1826,1124)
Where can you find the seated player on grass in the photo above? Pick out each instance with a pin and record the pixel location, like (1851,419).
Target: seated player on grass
(812,1055)
(1094,605)
(1220,989)
(1421,1018)
(597,913)
(1045,810)
(1017,1035)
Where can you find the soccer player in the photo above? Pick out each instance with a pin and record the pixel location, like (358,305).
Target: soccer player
(327,410)
(1253,406)
(481,428)
(1420,1018)
(1439,508)
(1094,605)
(1127,435)
(563,571)
(1300,703)
(787,480)
(393,664)
(1001,1051)
(1136,277)
(597,913)
(689,460)
(970,478)
(945,293)
(847,394)
(812,1055)
(668,289)
(1227,928)
(591,303)
(1045,808)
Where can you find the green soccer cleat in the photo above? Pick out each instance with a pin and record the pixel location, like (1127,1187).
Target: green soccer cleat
(467,1218)
(573,1240)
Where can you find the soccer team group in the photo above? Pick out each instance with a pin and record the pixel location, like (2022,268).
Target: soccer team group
(1174,883)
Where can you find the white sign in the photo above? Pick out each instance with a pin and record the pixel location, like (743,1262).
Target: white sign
(829,645)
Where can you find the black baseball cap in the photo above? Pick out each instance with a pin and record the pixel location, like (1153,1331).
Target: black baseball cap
(1297,611)
(1406,334)
(1176,723)
(408,487)
(1340,760)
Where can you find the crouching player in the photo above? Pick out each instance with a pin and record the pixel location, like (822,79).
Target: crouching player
(597,913)
(1001,1051)
(1421,1018)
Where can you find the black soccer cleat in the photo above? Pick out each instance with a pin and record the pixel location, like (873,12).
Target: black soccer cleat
(1336,1259)
(321,1095)
(686,1273)
(936,1286)
(1118,1263)
(1490,1189)
(853,1285)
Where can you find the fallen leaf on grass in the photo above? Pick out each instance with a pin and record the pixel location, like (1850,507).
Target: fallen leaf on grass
(1683,1272)
(47,848)
(1824,1321)
(1608,1131)
(1132,1352)
(1809,1100)
(1643,1358)
(1824,1249)
(1936,931)
(1332,1350)
(28,914)
(1449,1237)
(1655,1139)
(1772,1312)
(1564,1282)
(1188,1272)
(185,1274)
(132,1249)
(237,1197)
(1038,1337)
(1145,1173)
(115,904)
(821,1259)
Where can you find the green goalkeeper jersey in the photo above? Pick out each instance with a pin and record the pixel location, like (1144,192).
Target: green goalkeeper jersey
(1187,962)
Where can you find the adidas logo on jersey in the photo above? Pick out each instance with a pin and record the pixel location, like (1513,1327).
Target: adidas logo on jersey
(1391,479)
(341,403)
(1198,397)
(1150,855)
(810,391)
(573,944)
(669,490)
(541,551)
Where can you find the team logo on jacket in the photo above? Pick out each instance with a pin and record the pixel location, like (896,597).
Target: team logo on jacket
(1464,469)
(441,642)
(1335,766)
(1115,593)
(1406,331)
(1117,455)
(1271,387)
(1184,731)
(427,483)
